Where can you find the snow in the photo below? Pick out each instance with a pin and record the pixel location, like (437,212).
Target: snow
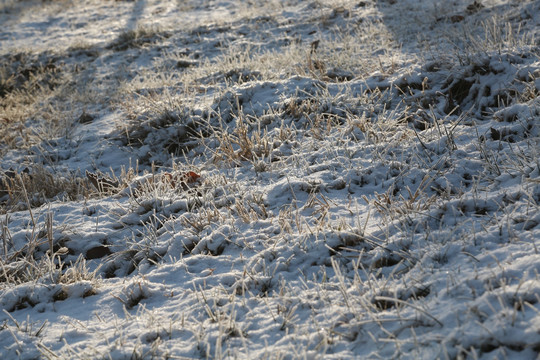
(375,197)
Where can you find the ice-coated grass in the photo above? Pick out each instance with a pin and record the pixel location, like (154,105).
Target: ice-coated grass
(370,180)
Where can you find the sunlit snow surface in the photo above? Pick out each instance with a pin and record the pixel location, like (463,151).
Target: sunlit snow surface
(394,214)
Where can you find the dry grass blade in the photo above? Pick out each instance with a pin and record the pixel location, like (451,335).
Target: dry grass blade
(405,303)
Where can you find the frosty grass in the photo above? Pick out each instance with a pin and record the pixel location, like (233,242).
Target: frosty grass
(370,179)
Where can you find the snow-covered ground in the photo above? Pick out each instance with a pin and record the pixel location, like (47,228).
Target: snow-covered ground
(369,179)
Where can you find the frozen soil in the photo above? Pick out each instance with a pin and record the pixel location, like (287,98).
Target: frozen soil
(370,179)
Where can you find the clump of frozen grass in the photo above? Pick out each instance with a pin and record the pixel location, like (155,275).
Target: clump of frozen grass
(39,99)
(154,100)
(33,263)
(495,37)
(138,37)
(240,144)
(35,187)
(481,38)
(22,331)
(337,56)
(24,85)
(279,191)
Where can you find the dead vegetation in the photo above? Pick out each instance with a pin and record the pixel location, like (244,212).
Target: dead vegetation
(350,172)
